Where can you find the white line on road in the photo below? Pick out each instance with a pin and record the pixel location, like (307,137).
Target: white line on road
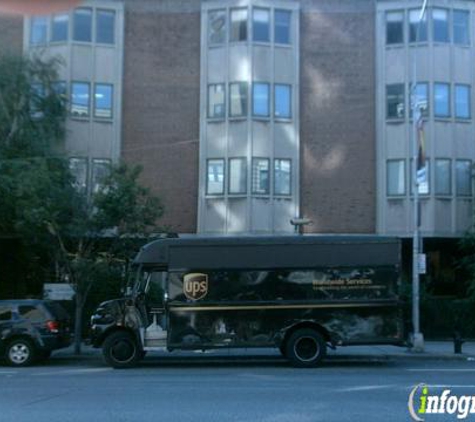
(367,388)
(439,370)
(7,372)
(74,371)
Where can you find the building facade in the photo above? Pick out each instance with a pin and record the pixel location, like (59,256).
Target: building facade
(245,114)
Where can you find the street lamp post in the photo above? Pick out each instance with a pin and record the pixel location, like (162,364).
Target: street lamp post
(417,336)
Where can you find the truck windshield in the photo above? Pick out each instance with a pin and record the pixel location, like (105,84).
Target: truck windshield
(151,283)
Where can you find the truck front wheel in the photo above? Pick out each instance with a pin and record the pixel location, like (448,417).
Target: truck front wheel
(306,348)
(121,350)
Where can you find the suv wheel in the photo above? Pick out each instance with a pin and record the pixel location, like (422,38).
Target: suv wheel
(121,350)
(20,352)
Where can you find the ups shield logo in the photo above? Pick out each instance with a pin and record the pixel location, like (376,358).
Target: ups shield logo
(195,286)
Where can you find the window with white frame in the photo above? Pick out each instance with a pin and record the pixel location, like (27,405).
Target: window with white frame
(282,25)
(215,176)
(394,27)
(260,99)
(282,176)
(105,26)
(282,101)
(443,177)
(80,93)
(260,24)
(462,101)
(395,101)
(463,178)
(396,177)
(38,30)
(417,29)
(60,27)
(82,24)
(237,176)
(260,176)
(238,26)
(217,26)
(216,101)
(461,27)
(238,99)
(440,25)
(441,100)
(103,100)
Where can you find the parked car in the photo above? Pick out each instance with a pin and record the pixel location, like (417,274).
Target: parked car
(31,329)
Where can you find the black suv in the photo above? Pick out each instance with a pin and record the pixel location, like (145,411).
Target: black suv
(31,329)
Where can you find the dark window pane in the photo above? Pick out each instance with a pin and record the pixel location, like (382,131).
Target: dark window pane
(282,26)
(396,180)
(394,28)
(237,176)
(217,26)
(260,99)
(463,178)
(395,101)
(215,177)
(238,99)
(216,101)
(461,27)
(462,101)
(282,101)
(260,176)
(443,179)
(60,28)
(105,26)
(103,101)
(5,313)
(238,25)
(32,313)
(441,100)
(80,99)
(440,25)
(282,172)
(417,29)
(82,28)
(260,25)
(38,29)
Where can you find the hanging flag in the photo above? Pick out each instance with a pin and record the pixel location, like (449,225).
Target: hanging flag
(421,157)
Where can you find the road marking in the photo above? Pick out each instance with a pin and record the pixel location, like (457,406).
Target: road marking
(439,370)
(74,371)
(8,372)
(367,388)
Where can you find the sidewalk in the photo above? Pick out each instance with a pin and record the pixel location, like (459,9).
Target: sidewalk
(433,350)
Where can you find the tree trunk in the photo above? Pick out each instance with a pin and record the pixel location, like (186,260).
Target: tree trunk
(78,324)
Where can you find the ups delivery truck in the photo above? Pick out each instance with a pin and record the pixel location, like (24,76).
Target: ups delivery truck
(300,294)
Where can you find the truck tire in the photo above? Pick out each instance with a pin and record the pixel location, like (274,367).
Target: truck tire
(120,350)
(306,348)
(20,352)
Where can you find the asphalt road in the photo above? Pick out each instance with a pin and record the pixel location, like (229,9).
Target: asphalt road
(226,389)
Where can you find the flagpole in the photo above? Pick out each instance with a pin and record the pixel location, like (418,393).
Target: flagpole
(417,336)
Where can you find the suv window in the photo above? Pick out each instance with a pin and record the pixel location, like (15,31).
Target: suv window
(5,313)
(32,313)
(57,310)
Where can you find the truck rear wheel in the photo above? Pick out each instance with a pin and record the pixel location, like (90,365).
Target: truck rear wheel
(306,348)
(121,350)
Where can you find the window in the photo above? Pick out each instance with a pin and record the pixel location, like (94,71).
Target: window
(80,99)
(440,25)
(282,101)
(60,89)
(260,176)
(82,26)
(215,177)
(441,100)
(237,176)
(260,25)
(105,26)
(282,26)
(32,313)
(443,177)
(216,101)
(420,99)
(462,102)
(238,99)
(38,94)
(217,26)
(5,313)
(396,170)
(78,169)
(38,29)
(394,28)
(260,99)
(417,29)
(463,178)
(461,27)
(100,171)
(423,177)
(238,25)
(60,27)
(395,101)
(103,101)
(282,177)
